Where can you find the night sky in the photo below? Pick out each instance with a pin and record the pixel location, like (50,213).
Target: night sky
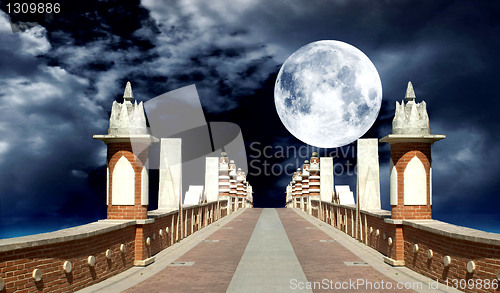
(58,80)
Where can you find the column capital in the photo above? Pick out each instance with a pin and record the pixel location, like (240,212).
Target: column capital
(403,138)
(114,138)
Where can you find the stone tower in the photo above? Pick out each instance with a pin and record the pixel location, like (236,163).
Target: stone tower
(411,170)
(127,194)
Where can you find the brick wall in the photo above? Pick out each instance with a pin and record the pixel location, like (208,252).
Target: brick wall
(223,208)
(484,252)
(376,240)
(315,208)
(16,266)
(127,212)
(485,256)
(18,260)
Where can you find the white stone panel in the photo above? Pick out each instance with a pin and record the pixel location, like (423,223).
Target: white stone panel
(368,180)
(326,178)
(346,197)
(123,186)
(394,184)
(212,178)
(340,188)
(198,189)
(190,198)
(144,187)
(415,183)
(193,195)
(107,185)
(249,193)
(170,189)
(430,184)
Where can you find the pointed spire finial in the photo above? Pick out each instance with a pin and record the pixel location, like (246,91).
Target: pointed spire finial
(128,95)
(410,93)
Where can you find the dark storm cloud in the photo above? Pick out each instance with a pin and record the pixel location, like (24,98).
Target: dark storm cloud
(43,108)
(58,83)
(57,88)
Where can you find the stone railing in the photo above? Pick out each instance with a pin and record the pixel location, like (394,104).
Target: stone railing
(77,257)
(451,254)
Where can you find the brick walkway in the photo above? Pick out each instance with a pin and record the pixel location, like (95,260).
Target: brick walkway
(239,256)
(323,259)
(214,262)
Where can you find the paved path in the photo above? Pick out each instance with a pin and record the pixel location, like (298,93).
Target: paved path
(269,262)
(327,262)
(267,250)
(214,262)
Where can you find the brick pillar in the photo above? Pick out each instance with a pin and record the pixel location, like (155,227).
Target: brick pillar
(245,192)
(411,170)
(233,188)
(128,139)
(314,178)
(305,178)
(127,192)
(314,181)
(223,175)
(239,187)
(298,188)
(223,184)
(411,164)
(294,191)
(127,182)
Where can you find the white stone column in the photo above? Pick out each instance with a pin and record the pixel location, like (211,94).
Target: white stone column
(211,178)
(368,187)
(170,189)
(326,175)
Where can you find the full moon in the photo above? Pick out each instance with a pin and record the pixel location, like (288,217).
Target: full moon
(328,94)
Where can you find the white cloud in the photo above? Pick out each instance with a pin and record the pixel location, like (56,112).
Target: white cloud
(4,147)
(46,122)
(207,32)
(34,41)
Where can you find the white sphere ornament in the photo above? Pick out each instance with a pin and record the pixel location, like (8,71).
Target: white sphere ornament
(371,230)
(446,260)
(430,253)
(328,94)
(91,261)
(67,266)
(166,229)
(415,248)
(377,233)
(148,241)
(108,253)
(122,248)
(37,275)
(471,267)
(389,241)
(160,232)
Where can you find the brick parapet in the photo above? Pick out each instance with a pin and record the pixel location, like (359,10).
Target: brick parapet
(47,252)
(461,244)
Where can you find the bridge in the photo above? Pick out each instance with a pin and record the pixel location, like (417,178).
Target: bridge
(211,239)
(269,250)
